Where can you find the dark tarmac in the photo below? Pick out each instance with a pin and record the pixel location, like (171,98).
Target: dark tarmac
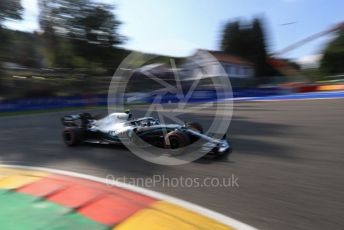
(288,156)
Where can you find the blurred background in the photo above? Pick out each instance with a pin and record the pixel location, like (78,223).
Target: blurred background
(67,50)
(287,154)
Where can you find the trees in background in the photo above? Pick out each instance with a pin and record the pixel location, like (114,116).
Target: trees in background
(82,20)
(80,32)
(77,38)
(231,38)
(248,40)
(73,33)
(333,60)
(10,9)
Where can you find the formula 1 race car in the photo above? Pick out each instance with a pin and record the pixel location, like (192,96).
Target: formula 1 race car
(118,128)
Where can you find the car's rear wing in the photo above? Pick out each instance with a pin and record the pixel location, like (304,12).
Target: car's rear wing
(79,120)
(71,120)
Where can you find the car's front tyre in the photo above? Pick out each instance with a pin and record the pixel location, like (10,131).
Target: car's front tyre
(175,141)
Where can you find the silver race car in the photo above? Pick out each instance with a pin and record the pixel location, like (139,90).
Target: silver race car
(121,128)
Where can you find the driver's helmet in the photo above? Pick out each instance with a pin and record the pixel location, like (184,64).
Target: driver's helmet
(127,111)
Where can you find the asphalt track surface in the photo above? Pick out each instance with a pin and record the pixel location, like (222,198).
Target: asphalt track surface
(288,156)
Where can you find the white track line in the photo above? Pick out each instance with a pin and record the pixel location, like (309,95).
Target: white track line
(196,208)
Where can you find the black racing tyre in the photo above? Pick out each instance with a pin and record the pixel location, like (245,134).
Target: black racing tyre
(72,136)
(195,126)
(177,139)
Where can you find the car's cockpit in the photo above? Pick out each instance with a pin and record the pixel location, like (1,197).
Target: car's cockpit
(144,122)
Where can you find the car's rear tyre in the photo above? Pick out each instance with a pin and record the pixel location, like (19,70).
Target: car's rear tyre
(195,126)
(176,140)
(72,136)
